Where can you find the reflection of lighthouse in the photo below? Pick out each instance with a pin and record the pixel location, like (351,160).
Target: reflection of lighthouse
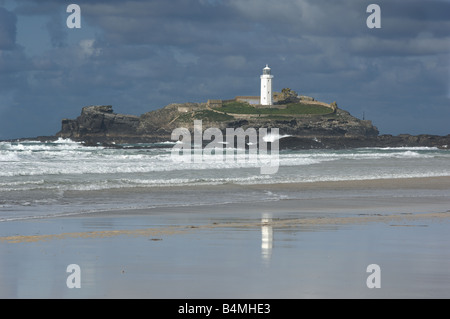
(267,237)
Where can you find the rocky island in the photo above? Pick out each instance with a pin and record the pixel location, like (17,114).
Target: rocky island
(307,123)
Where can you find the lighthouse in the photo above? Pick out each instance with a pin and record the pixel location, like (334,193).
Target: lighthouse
(266,87)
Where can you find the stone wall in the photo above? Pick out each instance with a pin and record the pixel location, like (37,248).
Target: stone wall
(306,98)
(253,100)
(184,109)
(214,104)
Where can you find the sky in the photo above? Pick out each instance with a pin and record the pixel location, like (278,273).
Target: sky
(141,55)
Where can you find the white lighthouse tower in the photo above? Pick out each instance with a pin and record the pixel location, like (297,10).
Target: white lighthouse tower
(266,87)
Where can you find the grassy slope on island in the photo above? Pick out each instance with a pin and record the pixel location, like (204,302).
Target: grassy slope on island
(206,115)
(292,108)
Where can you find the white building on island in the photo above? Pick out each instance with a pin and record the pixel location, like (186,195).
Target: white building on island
(266,87)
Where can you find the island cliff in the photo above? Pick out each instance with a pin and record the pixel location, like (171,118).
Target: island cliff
(334,128)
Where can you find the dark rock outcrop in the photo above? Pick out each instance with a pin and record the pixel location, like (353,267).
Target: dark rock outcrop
(338,124)
(403,140)
(100,123)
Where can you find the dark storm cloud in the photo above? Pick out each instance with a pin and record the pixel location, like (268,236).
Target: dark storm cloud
(7,29)
(58,35)
(13,62)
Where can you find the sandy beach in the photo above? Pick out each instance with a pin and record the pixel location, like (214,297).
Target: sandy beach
(294,248)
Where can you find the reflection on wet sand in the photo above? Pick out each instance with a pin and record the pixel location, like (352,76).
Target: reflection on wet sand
(266,225)
(267,237)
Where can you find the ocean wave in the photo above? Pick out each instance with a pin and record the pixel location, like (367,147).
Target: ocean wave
(22,183)
(92,185)
(9,157)
(368,155)
(59,144)
(343,178)
(66,157)
(78,164)
(126,183)
(417,148)
(272,137)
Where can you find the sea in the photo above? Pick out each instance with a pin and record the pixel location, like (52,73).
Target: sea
(64,177)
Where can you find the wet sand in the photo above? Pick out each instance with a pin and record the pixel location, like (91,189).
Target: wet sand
(246,224)
(298,248)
